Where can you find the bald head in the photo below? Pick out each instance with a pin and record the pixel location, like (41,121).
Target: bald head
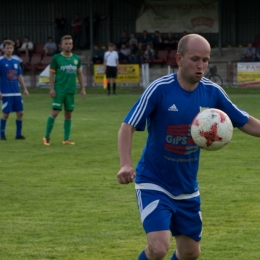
(187,42)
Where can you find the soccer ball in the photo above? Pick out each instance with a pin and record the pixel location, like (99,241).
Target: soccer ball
(211,129)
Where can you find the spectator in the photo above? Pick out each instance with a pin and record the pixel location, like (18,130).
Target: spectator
(258,53)
(96,20)
(27,47)
(140,53)
(59,24)
(170,42)
(50,47)
(133,57)
(157,42)
(76,24)
(149,53)
(145,39)
(124,39)
(98,55)
(124,53)
(17,47)
(133,40)
(249,53)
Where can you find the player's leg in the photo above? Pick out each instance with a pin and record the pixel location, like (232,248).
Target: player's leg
(187,229)
(18,108)
(187,248)
(3,125)
(7,107)
(57,102)
(158,244)
(114,80)
(19,125)
(68,107)
(156,214)
(109,80)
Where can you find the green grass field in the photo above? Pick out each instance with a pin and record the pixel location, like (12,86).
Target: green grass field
(64,202)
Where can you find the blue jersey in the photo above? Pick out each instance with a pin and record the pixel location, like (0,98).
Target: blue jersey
(170,158)
(9,72)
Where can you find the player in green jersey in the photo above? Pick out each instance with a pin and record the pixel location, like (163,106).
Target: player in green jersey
(65,68)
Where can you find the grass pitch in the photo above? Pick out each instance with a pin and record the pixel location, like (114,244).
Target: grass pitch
(64,202)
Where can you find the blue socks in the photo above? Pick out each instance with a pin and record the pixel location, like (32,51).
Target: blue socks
(18,128)
(142,256)
(174,257)
(3,124)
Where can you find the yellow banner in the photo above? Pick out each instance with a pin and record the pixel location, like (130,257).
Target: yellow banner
(127,73)
(248,74)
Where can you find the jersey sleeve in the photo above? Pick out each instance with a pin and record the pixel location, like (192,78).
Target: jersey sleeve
(238,116)
(142,109)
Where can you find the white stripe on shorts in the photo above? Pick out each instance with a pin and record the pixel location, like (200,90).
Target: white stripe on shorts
(150,186)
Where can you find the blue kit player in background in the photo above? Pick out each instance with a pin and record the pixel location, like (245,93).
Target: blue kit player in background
(10,77)
(165,178)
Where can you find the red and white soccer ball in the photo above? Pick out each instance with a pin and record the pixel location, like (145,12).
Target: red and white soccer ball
(211,129)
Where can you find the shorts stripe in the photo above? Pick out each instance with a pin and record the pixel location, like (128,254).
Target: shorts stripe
(4,105)
(151,186)
(149,209)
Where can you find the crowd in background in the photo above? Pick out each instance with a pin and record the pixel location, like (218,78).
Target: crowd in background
(130,48)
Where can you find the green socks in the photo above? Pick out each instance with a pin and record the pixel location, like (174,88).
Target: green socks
(49,126)
(67,127)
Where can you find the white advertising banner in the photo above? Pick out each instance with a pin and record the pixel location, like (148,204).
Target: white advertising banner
(193,16)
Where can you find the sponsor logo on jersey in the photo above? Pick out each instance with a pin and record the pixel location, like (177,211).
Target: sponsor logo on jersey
(179,141)
(12,75)
(70,69)
(173,108)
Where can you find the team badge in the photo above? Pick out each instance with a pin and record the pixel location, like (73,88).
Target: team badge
(16,66)
(75,62)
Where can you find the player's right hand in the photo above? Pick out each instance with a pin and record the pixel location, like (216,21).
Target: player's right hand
(52,93)
(126,175)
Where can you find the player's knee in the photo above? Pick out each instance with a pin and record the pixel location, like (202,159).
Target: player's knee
(188,254)
(5,116)
(19,115)
(158,249)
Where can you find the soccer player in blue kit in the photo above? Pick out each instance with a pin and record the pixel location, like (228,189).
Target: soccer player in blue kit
(165,178)
(10,76)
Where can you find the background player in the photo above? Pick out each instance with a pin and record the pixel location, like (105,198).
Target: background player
(111,66)
(66,67)
(166,176)
(11,76)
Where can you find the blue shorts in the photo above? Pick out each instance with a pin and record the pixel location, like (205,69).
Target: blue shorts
(159,212)
(12,104)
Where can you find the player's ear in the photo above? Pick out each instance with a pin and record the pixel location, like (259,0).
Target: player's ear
(178,58)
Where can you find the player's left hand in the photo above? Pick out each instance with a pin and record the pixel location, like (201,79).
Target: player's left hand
(26,93)
(83,93)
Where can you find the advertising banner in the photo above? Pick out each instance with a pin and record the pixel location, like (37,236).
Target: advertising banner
(127,74)
(176,16)
(248,74)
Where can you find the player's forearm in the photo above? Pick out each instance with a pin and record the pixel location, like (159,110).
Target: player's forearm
(21,82)
(81,80)
(252,127)
(51,80)
(125,135)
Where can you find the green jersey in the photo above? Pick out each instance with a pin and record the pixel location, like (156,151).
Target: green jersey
(65,69)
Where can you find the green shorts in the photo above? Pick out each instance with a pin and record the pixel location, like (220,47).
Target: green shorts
(66,99)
